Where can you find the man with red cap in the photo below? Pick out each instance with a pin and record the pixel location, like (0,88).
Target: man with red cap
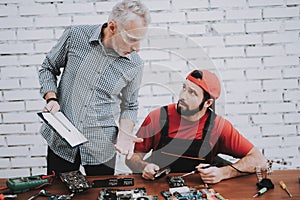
(189,135)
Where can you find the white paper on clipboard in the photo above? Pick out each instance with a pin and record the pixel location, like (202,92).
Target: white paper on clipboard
(64,127)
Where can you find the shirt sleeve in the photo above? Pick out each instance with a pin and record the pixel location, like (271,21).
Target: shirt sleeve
(129,105)
(232,142)
(55,59)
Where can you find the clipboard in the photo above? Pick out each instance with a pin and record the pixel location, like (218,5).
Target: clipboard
(63,127)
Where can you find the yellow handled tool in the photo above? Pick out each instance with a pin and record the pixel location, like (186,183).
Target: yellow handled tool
(283,186)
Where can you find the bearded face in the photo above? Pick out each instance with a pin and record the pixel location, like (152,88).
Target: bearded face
(184,109)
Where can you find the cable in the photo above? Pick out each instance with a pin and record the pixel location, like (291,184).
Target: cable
(240,170)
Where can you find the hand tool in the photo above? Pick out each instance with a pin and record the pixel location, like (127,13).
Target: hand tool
(189,173)
(40,193)
(162,172)
(194,171)
(260,192)
(283,186)
(7,196)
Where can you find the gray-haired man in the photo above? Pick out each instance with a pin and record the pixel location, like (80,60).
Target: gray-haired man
(98,89)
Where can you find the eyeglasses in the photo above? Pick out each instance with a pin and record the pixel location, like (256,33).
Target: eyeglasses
(129,38)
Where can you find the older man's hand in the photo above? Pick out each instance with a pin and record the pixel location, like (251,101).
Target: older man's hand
(125,143)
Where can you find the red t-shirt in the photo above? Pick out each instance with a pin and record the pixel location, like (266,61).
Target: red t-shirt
(225,138)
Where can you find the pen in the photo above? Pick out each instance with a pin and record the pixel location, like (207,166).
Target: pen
(283,186)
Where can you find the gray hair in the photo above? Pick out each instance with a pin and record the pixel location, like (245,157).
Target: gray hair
(127,10)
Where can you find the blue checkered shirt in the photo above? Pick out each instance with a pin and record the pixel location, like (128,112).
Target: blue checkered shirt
(97,88)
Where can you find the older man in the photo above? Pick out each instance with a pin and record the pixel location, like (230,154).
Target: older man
(98,89)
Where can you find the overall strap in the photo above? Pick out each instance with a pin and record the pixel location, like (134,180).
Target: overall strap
(206,135)
(211,157)
(164,121)
(164,125)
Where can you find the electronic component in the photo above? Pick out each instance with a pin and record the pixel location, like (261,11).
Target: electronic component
(51,196)
(75,181)
(113,182)
(180,190)
(23,184)
(176,181)
(119,194)
(192,193)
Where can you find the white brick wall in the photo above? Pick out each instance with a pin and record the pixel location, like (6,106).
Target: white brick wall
(254,46)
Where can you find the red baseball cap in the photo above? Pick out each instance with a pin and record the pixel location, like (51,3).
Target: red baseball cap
(209,82)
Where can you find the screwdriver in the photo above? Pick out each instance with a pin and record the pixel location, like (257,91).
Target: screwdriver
(283,186)
(195,171)
(192,172)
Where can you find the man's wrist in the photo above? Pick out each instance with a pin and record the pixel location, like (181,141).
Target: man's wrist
(52,99)
(228,172)
(50,95)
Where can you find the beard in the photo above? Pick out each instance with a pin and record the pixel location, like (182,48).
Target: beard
(188,111)
(117,47)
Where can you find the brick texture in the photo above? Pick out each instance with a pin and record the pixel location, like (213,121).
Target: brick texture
(253,46)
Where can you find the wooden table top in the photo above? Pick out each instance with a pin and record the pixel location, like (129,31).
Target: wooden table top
(243,187)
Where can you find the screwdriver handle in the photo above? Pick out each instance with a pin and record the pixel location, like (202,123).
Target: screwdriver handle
(282,184)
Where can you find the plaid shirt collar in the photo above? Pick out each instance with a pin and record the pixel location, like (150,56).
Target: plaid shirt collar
(98,34)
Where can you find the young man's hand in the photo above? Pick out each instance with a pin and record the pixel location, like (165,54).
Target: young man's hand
(149,171)
(210,174)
